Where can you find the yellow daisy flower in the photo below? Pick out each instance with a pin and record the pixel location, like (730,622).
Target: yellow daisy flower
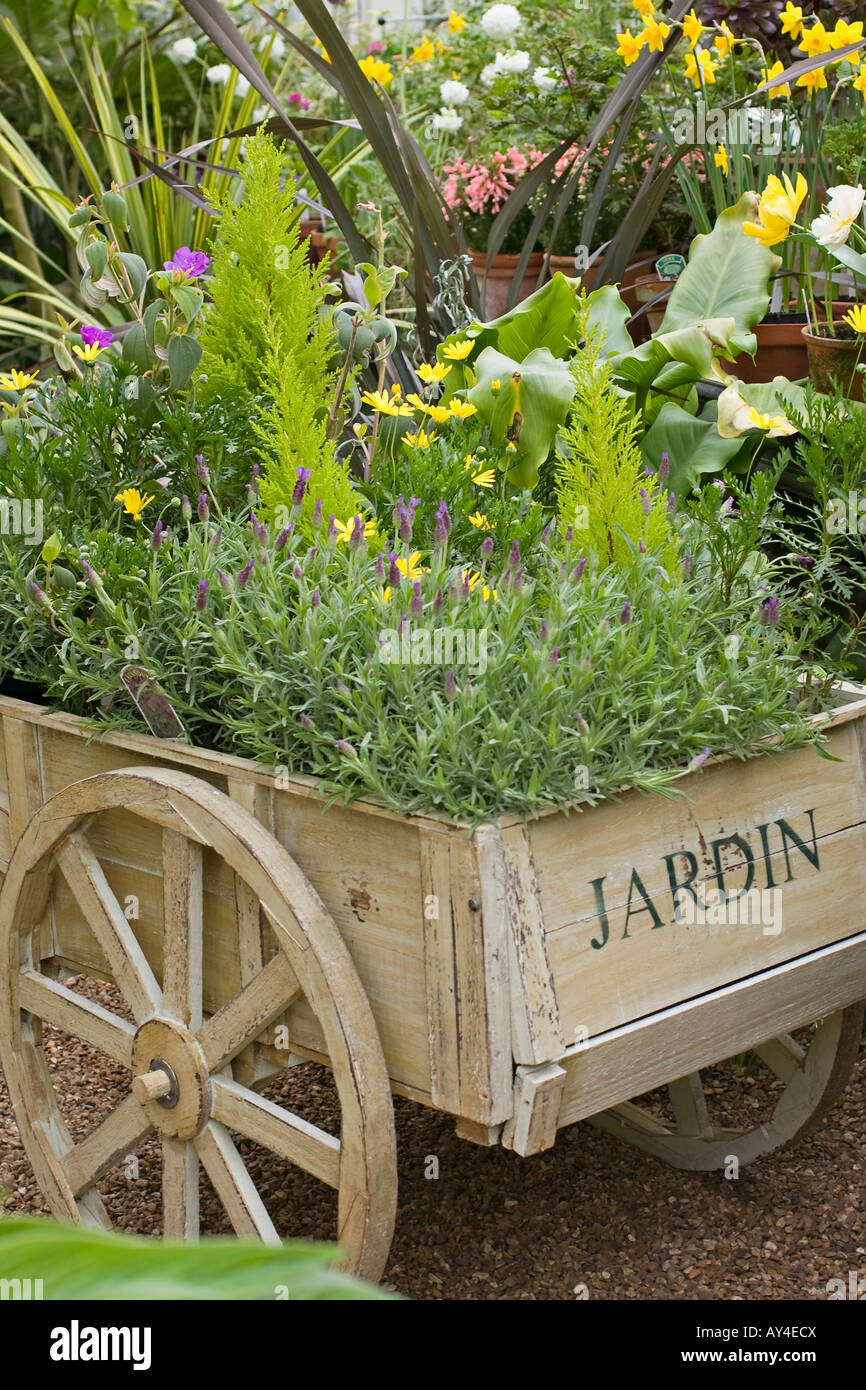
(376,71)
(423,53)
(345,529)
(133,502)
(484,479)
(856,317)
(421,440)
(480,520)
(89,353)
(456,22)
(473,579)
(17,381)
(462,410)
(458,352)
(431,372)
(384,403)
(410,569)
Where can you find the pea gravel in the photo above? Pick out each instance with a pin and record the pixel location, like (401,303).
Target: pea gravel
(592,1218)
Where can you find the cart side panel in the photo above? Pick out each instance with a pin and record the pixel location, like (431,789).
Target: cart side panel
(790,825)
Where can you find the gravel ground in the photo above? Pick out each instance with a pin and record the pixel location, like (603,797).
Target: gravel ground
(592,1218)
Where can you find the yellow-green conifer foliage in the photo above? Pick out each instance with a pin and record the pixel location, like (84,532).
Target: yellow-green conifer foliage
(265,333)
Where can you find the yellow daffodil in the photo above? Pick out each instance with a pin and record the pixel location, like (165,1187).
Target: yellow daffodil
(345,529)
(89,353)
(420,440)
(778,89)
(479,520)
(431,372)
(843,34)
(384,403)
(462,410)
(777,208)
(473,579)
(423,53)
(792,20)
(17,381)
(133,502)
(860,83)
(486,478)
(376,71)
(814,81)
(856,318)
(628,47)
(409,568)
(654,35)
(700,67)
(645,8)
(692,28)
(720,159)
(815,41)
(724,41)
(458,352)
(456,22)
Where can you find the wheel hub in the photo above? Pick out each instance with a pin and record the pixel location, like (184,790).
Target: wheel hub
(171,1078)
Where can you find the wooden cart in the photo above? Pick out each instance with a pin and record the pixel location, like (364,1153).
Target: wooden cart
(520,978)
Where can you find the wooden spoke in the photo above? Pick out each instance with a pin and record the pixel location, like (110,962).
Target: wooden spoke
(182,929)
(115,1137)
(234,1186)
(76,1015)
(248,1013)
(303,1144)
(782,1055)
(689,1105)
(134,977)
(180,1197)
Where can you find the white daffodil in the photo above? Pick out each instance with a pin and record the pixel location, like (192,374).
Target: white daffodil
(183,50)
(832,228)
(219,75)
(545,80)
(448,119)
(454,93)
(516,60)
(500,21)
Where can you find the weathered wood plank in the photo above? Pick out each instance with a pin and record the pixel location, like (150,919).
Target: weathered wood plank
(537,1100)
(536,1029)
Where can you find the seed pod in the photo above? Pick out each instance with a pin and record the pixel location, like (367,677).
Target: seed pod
(81,215)
(114,205)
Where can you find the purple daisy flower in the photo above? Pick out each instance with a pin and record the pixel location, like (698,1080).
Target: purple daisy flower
(189,264)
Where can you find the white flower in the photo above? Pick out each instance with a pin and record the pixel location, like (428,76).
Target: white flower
(242,86)
(490,74)
(545,80)
(500,21)
(278,47)
(183,50)
(219,75)
(454,93)
(833,227)
(448,119)
(516,61)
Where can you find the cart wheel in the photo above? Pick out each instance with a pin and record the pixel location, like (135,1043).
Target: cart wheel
(179,1062)
(810,1073)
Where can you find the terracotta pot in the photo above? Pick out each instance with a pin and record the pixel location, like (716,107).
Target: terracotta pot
(497,283)
(644,291)
(834,357)
(320,245)
(781,352)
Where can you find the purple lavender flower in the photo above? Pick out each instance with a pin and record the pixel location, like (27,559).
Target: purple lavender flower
(553,659)
(245,573)
(331,534)
(644,500)
(768,610)
(280,542)
(699,759)
(577,572)
(297,571)
(157,535)
(804,560)
(545,533)
(216,538)
(346,748)
(439,600)
(356,540)
(664,468)
(317,515)
(487,548)
(185,508)
(315,598)
(687,564)
(300,488)
(513,561)
(260,530)
(581,725)
(625,615)
(443,524)
(92,336)
(417,600)
(224,580)
(380,567)
(201,598)
(451,687)
(569,533)
(203,508)
(306,722)
(394,575)
(203,470)
(728,508)
(188,264)
(545,631)
(672,503)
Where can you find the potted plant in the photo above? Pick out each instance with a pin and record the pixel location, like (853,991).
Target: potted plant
(835,339)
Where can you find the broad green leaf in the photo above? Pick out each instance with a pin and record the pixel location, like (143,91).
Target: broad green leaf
(693,446)
(547,319)
(75,1263)
(609,315)
(693,348)
(527,407)
(727,277)
(184,355)
(135,348)
(188,299)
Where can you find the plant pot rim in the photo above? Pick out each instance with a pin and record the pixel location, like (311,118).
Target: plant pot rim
(811,337)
